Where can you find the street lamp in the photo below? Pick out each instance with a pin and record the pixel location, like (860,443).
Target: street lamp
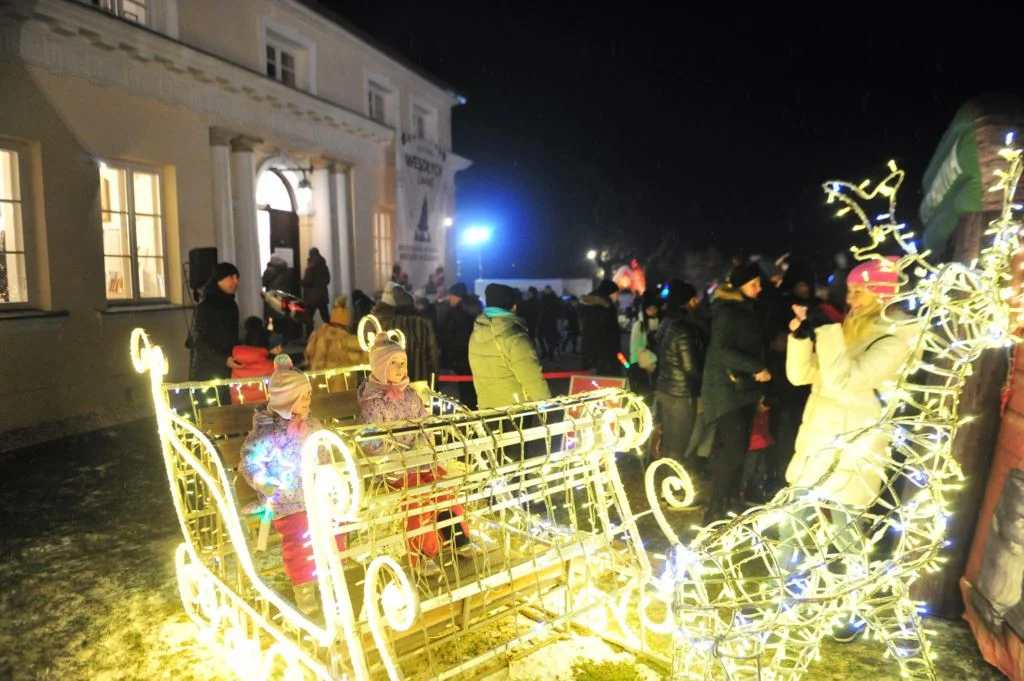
(591,254)
(477,236)
(304,188)
(448,222)
(304,195)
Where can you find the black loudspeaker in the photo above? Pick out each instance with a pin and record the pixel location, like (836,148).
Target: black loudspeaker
(201,262)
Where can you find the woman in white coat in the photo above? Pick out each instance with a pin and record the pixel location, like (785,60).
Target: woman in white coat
(845,366)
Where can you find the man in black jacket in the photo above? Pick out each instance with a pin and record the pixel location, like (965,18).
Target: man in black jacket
(455,338)
(680,370)
(734,375)
(215,326)
(601,336)
(314,290)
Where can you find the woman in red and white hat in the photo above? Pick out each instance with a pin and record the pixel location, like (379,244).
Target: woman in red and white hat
(845,364)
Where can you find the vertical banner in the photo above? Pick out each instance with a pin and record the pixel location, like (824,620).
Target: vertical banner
(424,198)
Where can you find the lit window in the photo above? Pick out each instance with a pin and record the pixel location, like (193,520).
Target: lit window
(377,105)
(13,272)
(133,234)
(281,65)
(383,247)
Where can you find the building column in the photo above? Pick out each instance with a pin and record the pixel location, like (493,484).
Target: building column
(341,232)
(220,174)
(243,204)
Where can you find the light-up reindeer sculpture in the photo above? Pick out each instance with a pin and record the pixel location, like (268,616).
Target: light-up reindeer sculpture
(748,605)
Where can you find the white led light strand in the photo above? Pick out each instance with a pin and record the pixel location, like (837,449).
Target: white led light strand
(746,605)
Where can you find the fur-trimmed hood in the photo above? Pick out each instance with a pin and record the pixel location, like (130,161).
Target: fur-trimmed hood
(726,292)
(595,300)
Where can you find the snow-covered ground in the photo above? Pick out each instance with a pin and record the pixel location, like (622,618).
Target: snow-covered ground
(561,661)
(87,585)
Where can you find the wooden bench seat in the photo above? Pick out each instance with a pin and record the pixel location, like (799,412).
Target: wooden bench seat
(228,426)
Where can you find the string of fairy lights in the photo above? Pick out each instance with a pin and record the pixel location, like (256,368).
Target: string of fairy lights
(558,541)
(753,601)
(742,600)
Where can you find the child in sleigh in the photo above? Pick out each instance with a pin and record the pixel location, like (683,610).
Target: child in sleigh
(385,397)
(272,465)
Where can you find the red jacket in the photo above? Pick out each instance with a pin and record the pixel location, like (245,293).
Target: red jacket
(257,362)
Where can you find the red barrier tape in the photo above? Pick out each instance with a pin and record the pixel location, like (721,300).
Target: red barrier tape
(550,376)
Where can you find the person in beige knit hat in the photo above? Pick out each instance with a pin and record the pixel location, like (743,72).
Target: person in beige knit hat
(386,397)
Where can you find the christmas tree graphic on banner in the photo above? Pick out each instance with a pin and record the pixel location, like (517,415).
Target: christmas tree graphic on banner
(423,228)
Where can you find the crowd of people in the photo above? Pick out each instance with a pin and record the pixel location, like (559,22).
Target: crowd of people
(751,381)
(758,373)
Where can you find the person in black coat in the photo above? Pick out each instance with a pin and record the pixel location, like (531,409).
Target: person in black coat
(572,325)
(278,276)
(215,327)
(361,306)
(314,289)
(602,338)
(529,309)
(734,375)
(455,338)
(680,370)
(786,400)
(547,331)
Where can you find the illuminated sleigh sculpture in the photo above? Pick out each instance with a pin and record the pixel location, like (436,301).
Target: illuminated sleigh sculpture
(741,614)
(558,543)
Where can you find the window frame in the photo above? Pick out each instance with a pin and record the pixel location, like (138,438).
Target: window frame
(421,111)
(278,63)
(130,215)
(419,123)
(299,46)
(374,88)
(22,152)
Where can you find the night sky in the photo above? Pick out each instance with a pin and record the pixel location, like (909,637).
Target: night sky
(719,128)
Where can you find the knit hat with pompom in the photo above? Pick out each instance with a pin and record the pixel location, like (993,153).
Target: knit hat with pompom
(340,314)
(287,385)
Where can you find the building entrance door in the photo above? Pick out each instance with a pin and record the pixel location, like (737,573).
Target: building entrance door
(284,237)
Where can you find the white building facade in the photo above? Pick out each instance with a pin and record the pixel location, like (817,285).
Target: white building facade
(134,132)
